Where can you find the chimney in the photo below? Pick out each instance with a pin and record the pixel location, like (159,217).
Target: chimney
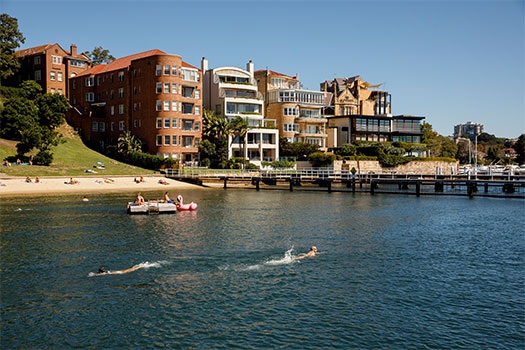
(249,67)
(204,65)
(73,50)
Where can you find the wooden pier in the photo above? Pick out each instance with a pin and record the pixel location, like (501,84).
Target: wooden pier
(329,181)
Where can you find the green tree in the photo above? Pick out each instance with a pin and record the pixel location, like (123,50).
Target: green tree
(321,159)
(18,114)
(216,130)
(298,150)
(99,56)
(239,128)
(519,147)
(128,143)
(30,89)
(51,110)
(10,40)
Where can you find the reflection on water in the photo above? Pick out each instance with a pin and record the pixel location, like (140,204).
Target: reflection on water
(392,272)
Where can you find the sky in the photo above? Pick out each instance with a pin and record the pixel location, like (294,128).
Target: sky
(449,61)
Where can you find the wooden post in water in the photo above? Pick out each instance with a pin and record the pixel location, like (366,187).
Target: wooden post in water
(372,186)
(257,181)
(329,185)
(225,182)
(486,187)
(418,188)
(291,184)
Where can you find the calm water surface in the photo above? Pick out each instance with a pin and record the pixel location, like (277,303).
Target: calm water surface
(393,272)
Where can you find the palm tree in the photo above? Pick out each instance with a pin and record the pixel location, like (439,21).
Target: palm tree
(128,143)
(217,130)
(239,127)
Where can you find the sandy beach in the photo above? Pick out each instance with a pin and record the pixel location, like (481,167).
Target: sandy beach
(17,186)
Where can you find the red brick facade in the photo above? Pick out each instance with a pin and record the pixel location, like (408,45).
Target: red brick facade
(154,95)
(50,66)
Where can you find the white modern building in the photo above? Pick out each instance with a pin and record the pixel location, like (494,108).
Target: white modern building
(231,92)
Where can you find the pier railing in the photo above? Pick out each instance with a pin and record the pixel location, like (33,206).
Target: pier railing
(344,181)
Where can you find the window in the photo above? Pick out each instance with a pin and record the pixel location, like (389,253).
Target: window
(121,125)
(197,126)
(120,109)
(167,139)
(197,110)
(121,76)
(57,59)
(174,106)
(158,70)
(59,76)
(158,107)
(166,106)
(190,75)
(167,122)
(159,88)
(188,141)
(90,81)
(112,110)
(174,123)
(38,75)
(173,88)
(174,140)
(52,75)
(102,127)
(94,126)
(187,91)
(98,81)
(197,94)
(166,88)
(112,126)
(187,108)
(159,140)
(90,97)
(121,92)
(167,70)
(173,70)
(159,123)
(291,127)
(290,111)
(36,60)
(60,92)
(187,125)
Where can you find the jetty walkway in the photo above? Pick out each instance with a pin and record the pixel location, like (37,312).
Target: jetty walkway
(328,180)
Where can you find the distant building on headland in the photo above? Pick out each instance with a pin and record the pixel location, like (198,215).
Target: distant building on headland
(359,111)
(468,130)
(154,95)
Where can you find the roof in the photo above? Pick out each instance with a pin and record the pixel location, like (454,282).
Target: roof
(34,50)
(272,72)
(124,62)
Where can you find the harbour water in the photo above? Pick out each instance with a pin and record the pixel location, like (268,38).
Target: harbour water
(393,272)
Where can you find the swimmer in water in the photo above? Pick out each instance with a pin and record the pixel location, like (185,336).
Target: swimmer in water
(103,271)
(311,252)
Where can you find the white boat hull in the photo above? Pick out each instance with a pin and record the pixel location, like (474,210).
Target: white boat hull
(152,208)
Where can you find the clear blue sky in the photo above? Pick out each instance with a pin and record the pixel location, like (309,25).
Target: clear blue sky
(450,61)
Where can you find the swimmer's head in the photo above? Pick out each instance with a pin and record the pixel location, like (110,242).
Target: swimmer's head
(313,248)
(102,270)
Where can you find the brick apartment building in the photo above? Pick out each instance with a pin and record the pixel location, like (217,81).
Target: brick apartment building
(298,112)
(154,95)
(50,66)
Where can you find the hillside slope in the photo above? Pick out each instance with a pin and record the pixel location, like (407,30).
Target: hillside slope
(70,158)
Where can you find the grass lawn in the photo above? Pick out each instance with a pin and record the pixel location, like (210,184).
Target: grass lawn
(70,158)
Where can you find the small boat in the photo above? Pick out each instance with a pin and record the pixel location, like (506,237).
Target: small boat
(181,206)
(152,207)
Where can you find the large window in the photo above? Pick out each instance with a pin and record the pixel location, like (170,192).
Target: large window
(290,127)
(248,108)
(190,74)
(57,59)
(187,108)
(290,111)
(158,89)
(187,91)
(166,88)
(121,76)
(167,122)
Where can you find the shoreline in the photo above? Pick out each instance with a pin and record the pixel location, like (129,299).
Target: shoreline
(57,185)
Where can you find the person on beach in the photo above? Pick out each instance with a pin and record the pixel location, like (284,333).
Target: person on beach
(312,252)
(139,200)
(28,179)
